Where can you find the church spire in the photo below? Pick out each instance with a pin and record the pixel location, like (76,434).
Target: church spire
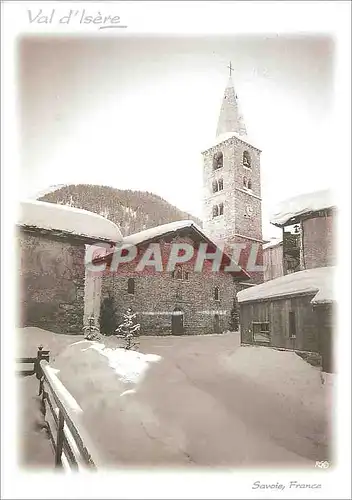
(230,119)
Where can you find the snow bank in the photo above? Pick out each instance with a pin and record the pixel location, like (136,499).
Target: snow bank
(158,231)
(282,372)
(226,136)
(318,281)
(130,366)
(68,219)
(300,205)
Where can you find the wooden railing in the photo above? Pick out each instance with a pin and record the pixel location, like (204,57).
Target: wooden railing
(35,361)
(63,416)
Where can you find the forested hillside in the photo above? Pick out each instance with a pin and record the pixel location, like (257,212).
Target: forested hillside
(132,211)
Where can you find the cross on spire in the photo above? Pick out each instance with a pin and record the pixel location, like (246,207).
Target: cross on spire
(230,68)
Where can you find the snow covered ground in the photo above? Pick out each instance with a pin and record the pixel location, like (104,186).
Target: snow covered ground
(196,401)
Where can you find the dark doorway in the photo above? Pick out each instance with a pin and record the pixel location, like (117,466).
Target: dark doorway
(216,323)
(177,321)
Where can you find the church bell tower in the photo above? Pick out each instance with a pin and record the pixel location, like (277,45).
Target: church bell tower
(231,184)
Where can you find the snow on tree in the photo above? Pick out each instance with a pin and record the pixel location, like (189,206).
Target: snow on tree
(129,329)
(91,331)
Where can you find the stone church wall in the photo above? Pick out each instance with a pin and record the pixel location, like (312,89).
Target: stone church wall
(158,293)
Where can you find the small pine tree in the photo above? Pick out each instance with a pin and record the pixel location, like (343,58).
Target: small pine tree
(91,331)
(129,329)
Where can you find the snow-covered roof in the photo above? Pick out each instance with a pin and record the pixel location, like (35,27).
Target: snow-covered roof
(158,231)
(318,281)
(168,229)
(50,216)
(272,243)
(229,135)
(306,203)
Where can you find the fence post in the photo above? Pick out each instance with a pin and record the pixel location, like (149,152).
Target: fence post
(59,440)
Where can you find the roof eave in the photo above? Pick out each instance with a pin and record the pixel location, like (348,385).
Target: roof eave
(59,233)
(228,139)
(298,218)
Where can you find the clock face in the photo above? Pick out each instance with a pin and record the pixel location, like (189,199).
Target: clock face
(249,210)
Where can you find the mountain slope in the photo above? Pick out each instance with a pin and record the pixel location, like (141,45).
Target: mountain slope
(132,211)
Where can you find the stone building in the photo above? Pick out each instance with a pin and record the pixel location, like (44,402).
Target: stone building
(182,300)
(307,222)
(232,210)
(52,242)
(296,310)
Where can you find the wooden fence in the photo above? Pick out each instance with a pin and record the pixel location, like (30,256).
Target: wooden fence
(62,414)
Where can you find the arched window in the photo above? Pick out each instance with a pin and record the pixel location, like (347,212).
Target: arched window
(221,209)
(215,186)
(218,160)
(178,273)
(215,211)
(220,185)
(245,182)
(249,184)
(130,286)
(216,293)
(246,159)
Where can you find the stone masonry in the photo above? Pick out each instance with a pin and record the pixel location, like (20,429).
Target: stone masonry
(232,210)
(157,294)
(242,218)
(51,284)
(318,242)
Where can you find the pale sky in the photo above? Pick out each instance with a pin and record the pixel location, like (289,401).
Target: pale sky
(136,112)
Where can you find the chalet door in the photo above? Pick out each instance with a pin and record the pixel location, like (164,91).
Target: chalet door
(216,324)
(177,321)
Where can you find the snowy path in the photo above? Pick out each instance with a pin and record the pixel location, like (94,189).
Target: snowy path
(35,449)
(207,402)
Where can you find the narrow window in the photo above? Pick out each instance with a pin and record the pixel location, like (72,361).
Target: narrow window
(178,273)
(249,184)
(245,182)
(218,160)
(130,286)
(246,159)
(216,293)
(215,186)
(220,185)
(215,211)
(292,324)
(179,294)
(221,209)
(186,276)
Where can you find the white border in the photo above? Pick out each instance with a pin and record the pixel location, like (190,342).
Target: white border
(182,18)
